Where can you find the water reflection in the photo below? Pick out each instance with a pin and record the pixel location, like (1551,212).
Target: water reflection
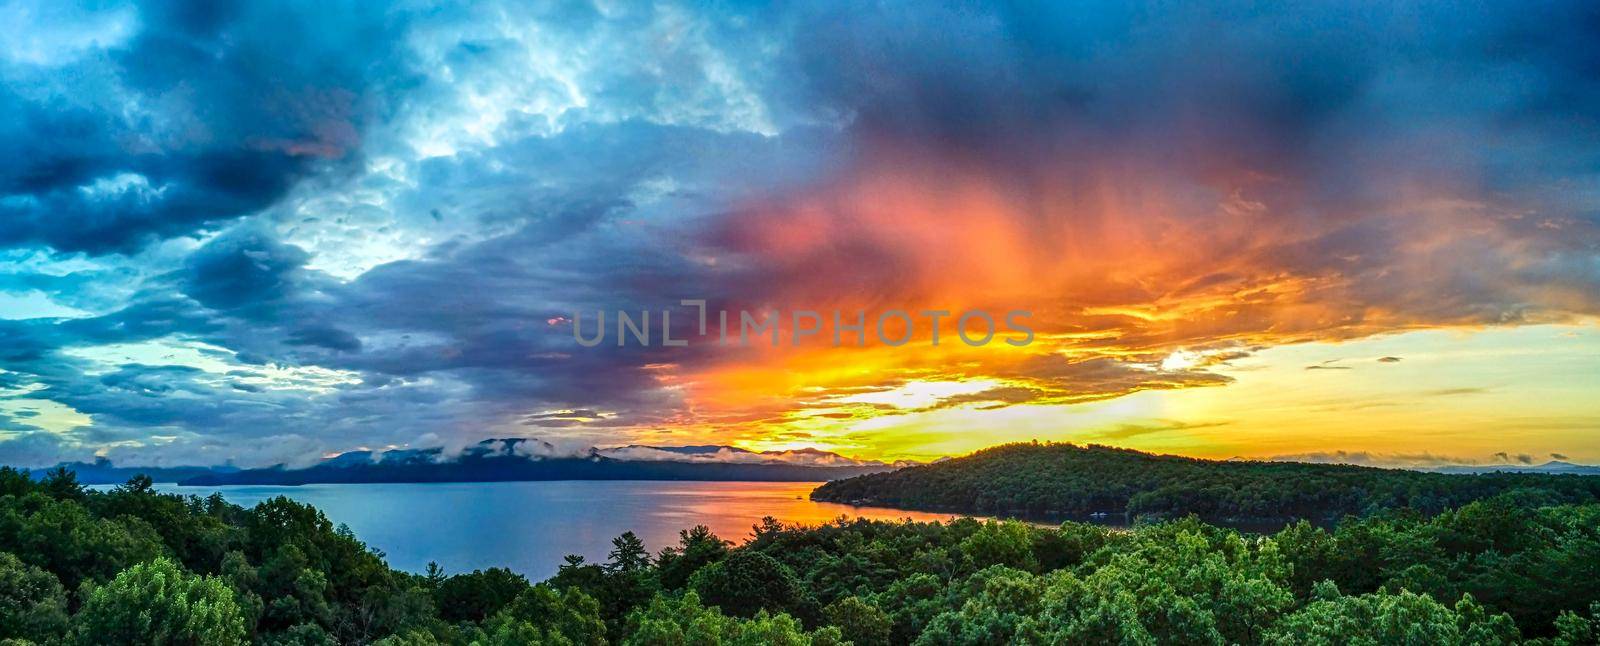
(530,526)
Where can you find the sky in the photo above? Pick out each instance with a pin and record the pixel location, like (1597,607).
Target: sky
(267,232)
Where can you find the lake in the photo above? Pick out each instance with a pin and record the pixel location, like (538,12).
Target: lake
(530,526)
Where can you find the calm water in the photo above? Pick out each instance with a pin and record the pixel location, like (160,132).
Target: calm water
(529,526)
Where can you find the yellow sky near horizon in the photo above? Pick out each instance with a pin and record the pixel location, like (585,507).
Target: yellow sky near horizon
(1452,395)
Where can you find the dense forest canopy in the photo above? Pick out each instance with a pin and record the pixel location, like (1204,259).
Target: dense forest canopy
(133,566)
(1033,479)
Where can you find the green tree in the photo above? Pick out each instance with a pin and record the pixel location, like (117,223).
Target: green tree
(1007,543)
(683,620)
(697,548)
(575,573)
(61,483)
(301,635)
(1385,618)
(988,608)
(628,580)
(32,604)
(1574,629)
(859,622)
(747,582)
(1179,582)
(410,638)
(628,554)
(191,530)
(400,608)
(478,594)
(568,613)
(157,603)
(1068,545)
(295,591)
(1310,552)
(911,603)
(66,538)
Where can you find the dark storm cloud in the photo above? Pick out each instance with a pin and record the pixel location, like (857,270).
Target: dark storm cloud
(1345,108)
(497,336)
(37,448)
(1249,83)
(458,336)
(212,111)
(242,268)
(325,337)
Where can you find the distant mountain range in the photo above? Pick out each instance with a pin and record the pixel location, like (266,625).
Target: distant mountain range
(515,459)
(1553,466)
(530,459)
(102,471)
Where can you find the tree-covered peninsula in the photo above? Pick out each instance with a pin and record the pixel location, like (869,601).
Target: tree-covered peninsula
(1066,480)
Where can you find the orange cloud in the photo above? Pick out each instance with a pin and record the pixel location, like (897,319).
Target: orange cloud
(1136,280)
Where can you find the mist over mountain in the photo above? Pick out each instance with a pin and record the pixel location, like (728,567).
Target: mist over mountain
(103,471)
(514,459)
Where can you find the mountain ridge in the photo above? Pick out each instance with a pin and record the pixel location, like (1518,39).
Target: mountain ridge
(804,464)
(511,459)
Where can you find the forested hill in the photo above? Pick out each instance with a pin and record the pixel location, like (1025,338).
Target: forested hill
(1068,480)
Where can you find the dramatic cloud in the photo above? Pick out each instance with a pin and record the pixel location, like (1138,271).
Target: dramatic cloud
(182,117)
(263,232)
